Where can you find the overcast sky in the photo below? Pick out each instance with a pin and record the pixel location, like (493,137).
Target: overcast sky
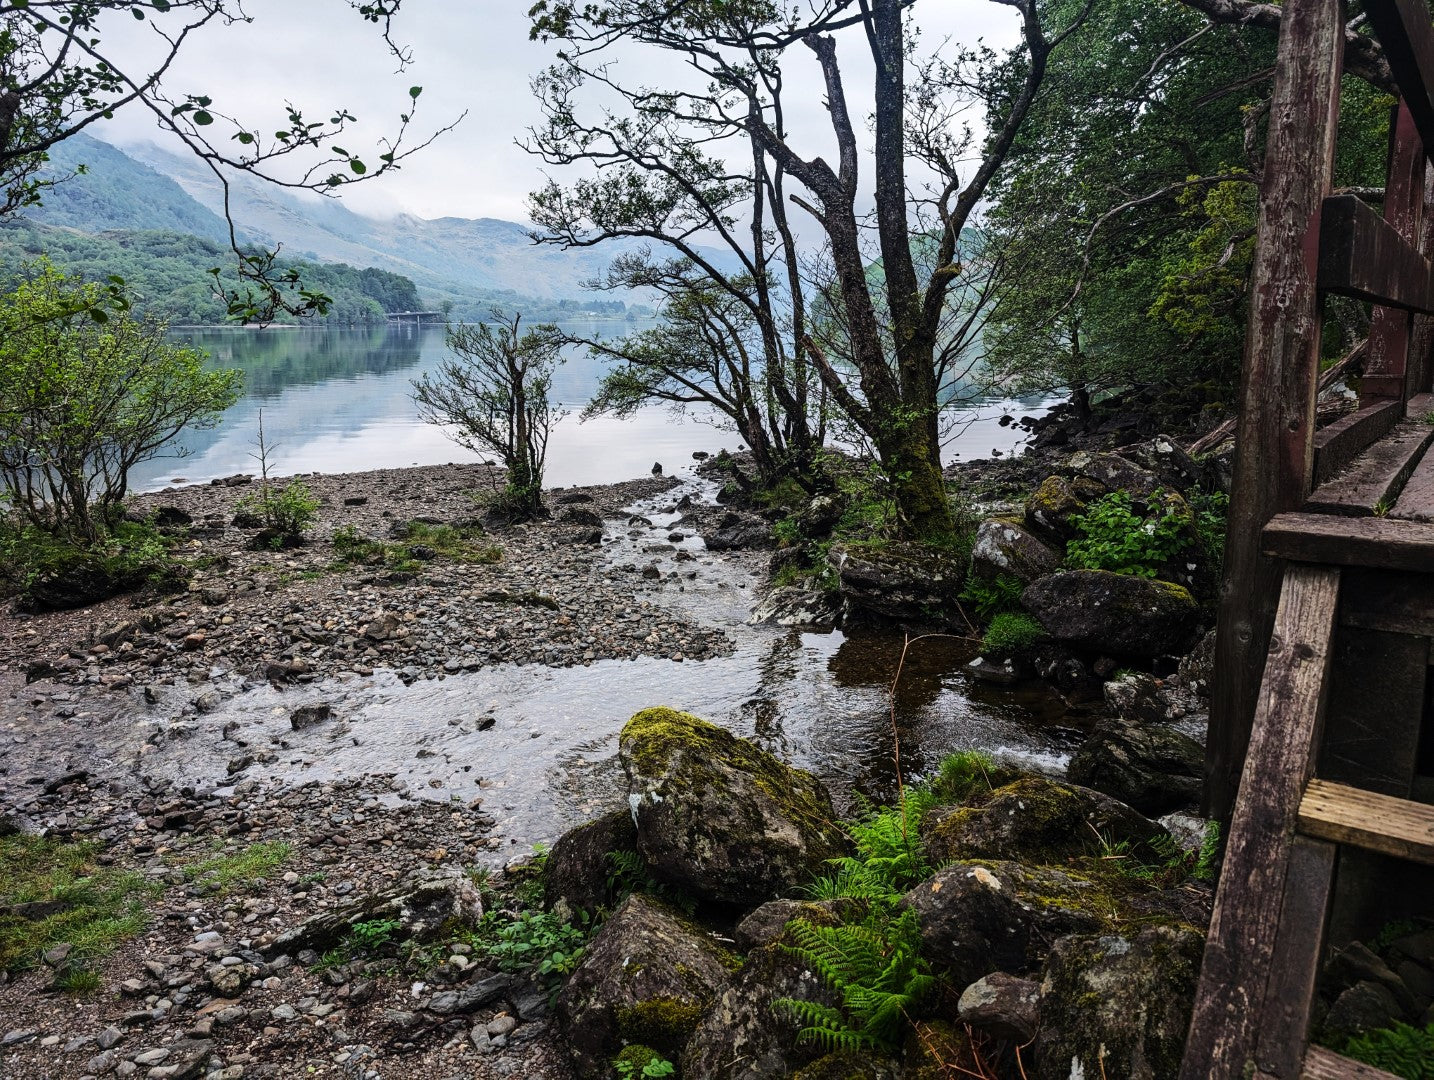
(469,55)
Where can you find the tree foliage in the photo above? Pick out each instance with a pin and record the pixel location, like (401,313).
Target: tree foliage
(83,401)
(492,398)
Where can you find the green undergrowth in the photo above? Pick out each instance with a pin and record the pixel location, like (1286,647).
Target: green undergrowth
(989,597)
(364,939)
(1012,632)
(1403,1050)
(467,544)
(133,556)
(52,892)
(240,871)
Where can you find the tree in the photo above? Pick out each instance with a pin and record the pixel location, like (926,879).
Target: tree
(492,396)
(58,76)
(1127,210)
(675,163)
(82,402)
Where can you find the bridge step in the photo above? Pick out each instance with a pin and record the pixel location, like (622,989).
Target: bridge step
(1322,1064)
(1366,819)
(1373,481)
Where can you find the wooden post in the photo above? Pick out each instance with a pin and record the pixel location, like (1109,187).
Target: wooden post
(1274,446)
(1421,344)
(1389,330)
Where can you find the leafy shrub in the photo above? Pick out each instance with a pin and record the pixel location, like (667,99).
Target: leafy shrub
(989,598)
(1118,538)
(1403,1050)
(373,935)
(641,1061)
(535,941)
(289,512)
(1211,512)
(49,572)
(1011,632)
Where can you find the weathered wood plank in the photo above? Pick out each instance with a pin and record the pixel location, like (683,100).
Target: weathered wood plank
(1322,1064)
(1389,601)
(1390,328)
(1341,442)
(1361,255)
(1240,948)
(1421,344)
(1403,28)
(1376,706)
(1379,543)
(1274,442)
(1416,499)
(1366,819)
(1299,948)
(1372,482)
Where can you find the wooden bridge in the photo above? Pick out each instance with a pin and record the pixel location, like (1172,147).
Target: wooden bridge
(1321,747)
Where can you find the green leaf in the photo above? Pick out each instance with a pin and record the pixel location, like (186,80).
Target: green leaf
(203,118)
(357,166)
(414,91)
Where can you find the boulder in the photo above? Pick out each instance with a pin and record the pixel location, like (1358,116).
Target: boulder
(745,1035)
(576,871)
(767,923)
(421,907)
(577,515)
(791,605)
(1152,767)
(1003,1005)
(75,579)
(1004,547)
(1118,1006)
(1168,461)
(1115,473)
(739,531)
(1040,821)
(1051,510)
(1137,697)
(1197,667)
(1365,1006)
(646,977)
(720,817)
(1002,916)
(900,581)
(1113,613)
(852,1065)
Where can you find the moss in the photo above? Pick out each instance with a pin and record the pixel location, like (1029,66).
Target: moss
(846,1065)
(665,1023)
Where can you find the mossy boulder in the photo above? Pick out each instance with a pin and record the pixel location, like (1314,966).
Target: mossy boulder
(900,582)
(721,817)
(646,977)
(852,1065)
(1118,1006)
(1039,821)
(745,1035)
(576,872)
(978,917)
(767,923)
(1114,473)
(1051,510)
(1118,614)
(1152,767)
(1006,548)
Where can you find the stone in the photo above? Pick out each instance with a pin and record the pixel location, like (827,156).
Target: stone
(1005,548)
(56,955)
(736,531)
(1004,1005)
(1001,916)
(227,980)
(1118,1006)
(1052,509)
(646,977)
(474,996)
(502,1024)
(792,605)
(1113,613)
(899,581)
(1138,698)
(1151,767)
(1197,667)
(1356,963)
(306,716)
(1115,473)
(1037,820)
(743,1036)
(577,869)
(421,907)
(110,1036)
(721,817)
(16,1036)
(1363,1007)
(766,923)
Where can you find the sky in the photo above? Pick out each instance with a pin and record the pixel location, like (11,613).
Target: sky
(468,55)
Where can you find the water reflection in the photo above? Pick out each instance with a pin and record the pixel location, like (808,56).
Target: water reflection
(337,400)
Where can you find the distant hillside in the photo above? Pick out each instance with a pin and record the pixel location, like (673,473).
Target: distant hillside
(167,272)
(117,192)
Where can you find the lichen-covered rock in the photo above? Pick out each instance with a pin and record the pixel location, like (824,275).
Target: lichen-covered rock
(1197,667)
(720,817)
(978,917)
(577,870)
(1152,767)
(1168,461)
(904,582)
(767,923)
(1137,697)
(1113,613)
(737,531)
(852,1065)
(1114,473)
(1004,547)
(791,605)
(743,1036)
(1038,821)
(421,908)
(1118,1006)
(1051,510)
(1004,1005)
(646,977)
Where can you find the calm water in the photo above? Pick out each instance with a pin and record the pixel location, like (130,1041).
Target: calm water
(339,401)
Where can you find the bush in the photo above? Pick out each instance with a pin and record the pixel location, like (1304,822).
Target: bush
(287,512)
(1115,536)
(84,397)
(48,573)
(1011,632)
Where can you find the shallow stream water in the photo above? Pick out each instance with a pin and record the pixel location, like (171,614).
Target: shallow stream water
(538,745)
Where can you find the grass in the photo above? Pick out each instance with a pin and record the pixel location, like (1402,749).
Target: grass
(95,907)
(462,544)
(226,873)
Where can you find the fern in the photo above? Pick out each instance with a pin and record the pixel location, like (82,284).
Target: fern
(628,873)
(877,968)
(1403,1050)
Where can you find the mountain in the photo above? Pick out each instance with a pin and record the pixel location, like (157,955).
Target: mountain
(447,256)
(117,192)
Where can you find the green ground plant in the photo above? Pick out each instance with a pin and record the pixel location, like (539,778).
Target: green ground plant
(224,873)
(1011,632)
(134,555)
(641,1061)
(1119,537)
(532,941)
(53,892)
(1403,1050)
(990,597)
